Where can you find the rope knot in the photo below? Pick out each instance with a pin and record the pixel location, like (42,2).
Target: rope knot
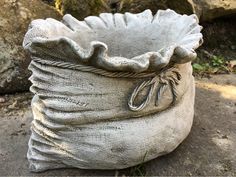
(169,77)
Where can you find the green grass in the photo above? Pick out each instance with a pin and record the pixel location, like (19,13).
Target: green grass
(139,170)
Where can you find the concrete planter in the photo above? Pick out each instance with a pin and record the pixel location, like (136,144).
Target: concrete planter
(110,91)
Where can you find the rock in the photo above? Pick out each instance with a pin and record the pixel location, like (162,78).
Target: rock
(205,9)
(82,8)
(13,105)
(211,9)
(15,17)
(135,6)
(2,100)
(232,65)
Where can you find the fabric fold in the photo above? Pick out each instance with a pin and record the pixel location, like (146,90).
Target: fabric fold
(79,42)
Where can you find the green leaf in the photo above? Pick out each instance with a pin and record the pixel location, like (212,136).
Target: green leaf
(198,67)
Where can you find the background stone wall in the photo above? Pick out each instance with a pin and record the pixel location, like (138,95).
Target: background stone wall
(205,9)
(15,16)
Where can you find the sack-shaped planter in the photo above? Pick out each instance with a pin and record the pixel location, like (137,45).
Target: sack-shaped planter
(111,91)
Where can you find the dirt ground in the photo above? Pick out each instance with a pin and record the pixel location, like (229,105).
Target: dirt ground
(210,149)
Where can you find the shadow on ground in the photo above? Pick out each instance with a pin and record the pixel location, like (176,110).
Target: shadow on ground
(210,148)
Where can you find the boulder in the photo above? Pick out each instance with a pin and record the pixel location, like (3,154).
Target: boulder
(15,17)
(211,9)
(205,9)
(82,8)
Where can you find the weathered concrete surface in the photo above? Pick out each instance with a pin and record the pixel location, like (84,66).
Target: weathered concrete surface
(210,149)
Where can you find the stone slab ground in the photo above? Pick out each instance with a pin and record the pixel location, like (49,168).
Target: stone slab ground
(209,150)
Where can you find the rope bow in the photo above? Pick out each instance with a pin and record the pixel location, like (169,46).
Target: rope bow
(159,84)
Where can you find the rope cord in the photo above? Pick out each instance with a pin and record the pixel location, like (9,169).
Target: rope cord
(94,70)
(155,81)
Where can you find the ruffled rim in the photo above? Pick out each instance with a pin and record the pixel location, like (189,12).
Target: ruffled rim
(40,41)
